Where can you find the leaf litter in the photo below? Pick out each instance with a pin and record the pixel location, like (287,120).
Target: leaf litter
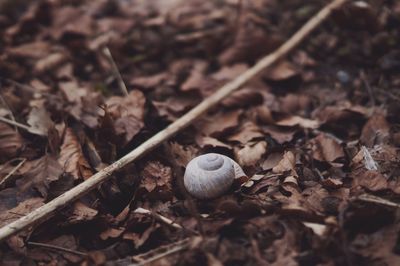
(317,134)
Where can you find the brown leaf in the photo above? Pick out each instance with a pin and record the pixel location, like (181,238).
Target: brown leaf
(242,98)
(272,160)
(298,121)
(182,154)
(39,121)
(80,213)
(375,131)
(287,164)
(149,82)
(251,153)
(284,70)
(10,142)
(32,50)
(42,172)
(128,113)
(326,148)
(371,180)
(157,178)
(72,158)
(247,132)
(219,123)
(23,208)
(206,142)
(251,41)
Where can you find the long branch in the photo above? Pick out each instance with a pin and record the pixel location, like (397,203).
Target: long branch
(47,210)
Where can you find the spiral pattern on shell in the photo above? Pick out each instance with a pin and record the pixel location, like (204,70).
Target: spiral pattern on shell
(208,176)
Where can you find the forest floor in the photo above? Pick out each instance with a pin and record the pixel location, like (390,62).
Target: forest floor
(317,134)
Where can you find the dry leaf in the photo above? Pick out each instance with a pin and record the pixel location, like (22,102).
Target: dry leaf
(10,142)
(39,121)
(287,164)
(251,153)
(43,171)
(72,158)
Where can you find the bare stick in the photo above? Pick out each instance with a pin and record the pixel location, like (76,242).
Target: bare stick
(9,175)
(43,245)
(159,217)
(47,210)
(14,123)
(161,252)
(114,66)
(377,200)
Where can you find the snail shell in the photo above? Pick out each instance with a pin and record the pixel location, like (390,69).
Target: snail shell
(210,175)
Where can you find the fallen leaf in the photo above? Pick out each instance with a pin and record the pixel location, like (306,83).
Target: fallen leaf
(326,148)
(375,131)
(218,124)
(128,113)
(80,213)
(10,142)
(71,157)
(157,179)
(182,154)
(251,153)
(205,142)
(246,133)
(287,164)
(43,171)
(283,70)
(39,121)
(298,121)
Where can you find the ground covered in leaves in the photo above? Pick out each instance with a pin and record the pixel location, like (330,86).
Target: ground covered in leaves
(317,134)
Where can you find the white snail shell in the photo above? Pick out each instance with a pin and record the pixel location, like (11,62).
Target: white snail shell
(210,175)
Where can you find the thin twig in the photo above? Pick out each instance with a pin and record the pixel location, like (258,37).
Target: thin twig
(47,210)
(159,253)
(10,174)
(368,87)
(4,102)
(14,123)
(43,245)
(159,217)
(117,74)
(377,200)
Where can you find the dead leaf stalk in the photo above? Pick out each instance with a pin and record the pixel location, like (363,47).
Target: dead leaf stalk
(43,245)
(11,173)
(115,69)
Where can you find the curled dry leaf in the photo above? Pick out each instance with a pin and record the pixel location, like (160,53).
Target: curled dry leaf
(251,153)
(43,171)
(72,158)
(182,154)
(80,213)
(128,113)
(219,123)
(10,142)
(283,70)
(207,142)
(157,179)
(298,121)
(375,131)
(287,164)
(326,148)
(247,132)
(39,121)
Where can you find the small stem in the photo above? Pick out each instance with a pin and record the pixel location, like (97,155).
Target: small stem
(5,179)
(117,74)
(14,123)
(43,245)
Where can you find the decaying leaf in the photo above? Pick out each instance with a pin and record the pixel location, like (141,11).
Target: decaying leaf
(71,157)
(10,142)
(43,171)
